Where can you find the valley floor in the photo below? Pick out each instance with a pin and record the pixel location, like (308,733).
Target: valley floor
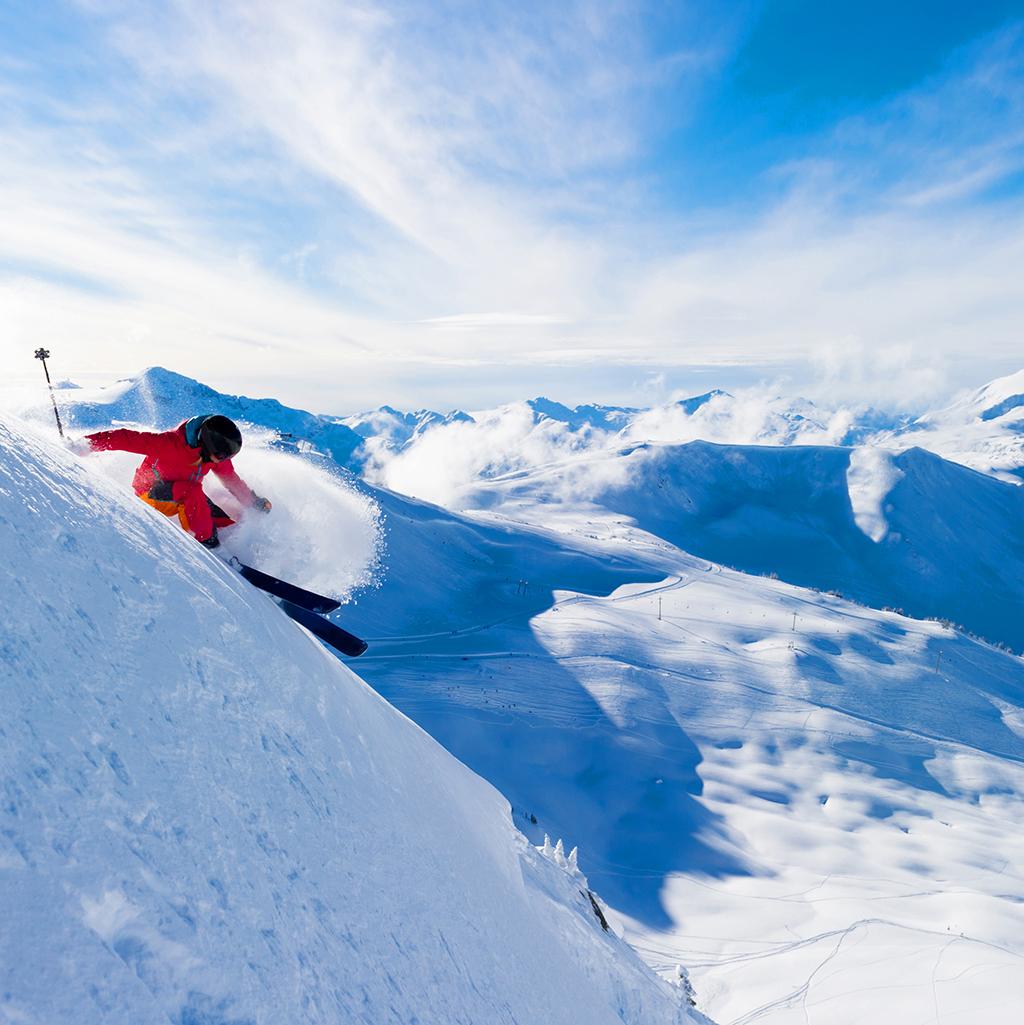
(812,805)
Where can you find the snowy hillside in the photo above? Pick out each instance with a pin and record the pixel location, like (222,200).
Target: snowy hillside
(906,530)
(983,429)
(208,819)
(811,804)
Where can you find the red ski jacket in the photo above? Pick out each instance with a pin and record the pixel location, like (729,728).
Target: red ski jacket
(171,460)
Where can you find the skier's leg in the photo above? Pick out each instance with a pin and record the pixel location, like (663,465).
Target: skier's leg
(220,518)
(195,512)
(161,498)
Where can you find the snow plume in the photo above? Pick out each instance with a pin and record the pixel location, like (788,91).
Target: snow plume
(872,474)
(323,533)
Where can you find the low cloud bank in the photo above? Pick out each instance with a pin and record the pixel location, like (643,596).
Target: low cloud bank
(441,463)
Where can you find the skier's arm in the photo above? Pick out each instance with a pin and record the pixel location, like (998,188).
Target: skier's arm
(229,477)
(143,443)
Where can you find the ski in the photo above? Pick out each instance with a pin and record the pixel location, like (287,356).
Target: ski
(289,592)
(305,607)
(334,635)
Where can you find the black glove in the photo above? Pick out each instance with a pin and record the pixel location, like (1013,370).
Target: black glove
(212,541)
(263,504)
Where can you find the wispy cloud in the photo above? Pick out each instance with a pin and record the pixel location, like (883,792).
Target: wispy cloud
(455,126)
(477,320)
(370,185)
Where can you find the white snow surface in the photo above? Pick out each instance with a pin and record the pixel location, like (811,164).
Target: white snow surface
(812,805)
(207,819)
(950,546)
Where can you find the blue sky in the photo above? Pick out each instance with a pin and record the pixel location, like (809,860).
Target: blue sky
(460,204)
(798,68)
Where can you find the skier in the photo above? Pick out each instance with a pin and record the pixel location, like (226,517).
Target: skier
(170,478)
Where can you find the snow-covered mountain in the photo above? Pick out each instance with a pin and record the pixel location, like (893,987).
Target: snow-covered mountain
(395,429)
(605,418)
(433,455)
(207,818)
(809,802)
(983,429)
(900,530)
(1001,398)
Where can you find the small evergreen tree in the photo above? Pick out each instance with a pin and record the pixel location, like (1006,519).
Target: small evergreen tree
(683,982)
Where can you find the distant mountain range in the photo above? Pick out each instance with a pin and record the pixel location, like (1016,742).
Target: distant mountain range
(983,429)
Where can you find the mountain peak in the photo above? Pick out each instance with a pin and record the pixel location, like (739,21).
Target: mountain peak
(691,405)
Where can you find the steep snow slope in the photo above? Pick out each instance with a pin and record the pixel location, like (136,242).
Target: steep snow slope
(208,819)
(910,531)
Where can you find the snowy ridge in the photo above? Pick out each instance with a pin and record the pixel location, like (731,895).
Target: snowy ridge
(207,818)
(1000,397)
(982,430)
(393,429)
(438,458)
(436,455)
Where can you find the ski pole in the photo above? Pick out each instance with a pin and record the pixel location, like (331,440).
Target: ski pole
(44,355)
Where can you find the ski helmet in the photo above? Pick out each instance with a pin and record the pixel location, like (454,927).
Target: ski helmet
(219,437)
